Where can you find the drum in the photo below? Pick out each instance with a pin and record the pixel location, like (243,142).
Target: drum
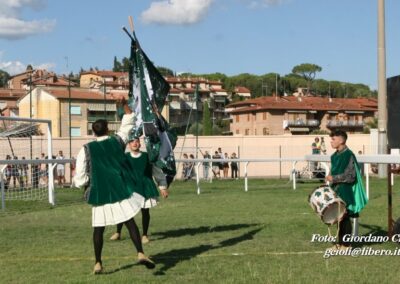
(325,202)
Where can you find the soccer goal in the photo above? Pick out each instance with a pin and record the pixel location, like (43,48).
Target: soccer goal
(25,159)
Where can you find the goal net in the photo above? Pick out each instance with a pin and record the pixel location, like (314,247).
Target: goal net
(25,145)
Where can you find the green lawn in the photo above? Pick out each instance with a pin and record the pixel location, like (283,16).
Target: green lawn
(223,235)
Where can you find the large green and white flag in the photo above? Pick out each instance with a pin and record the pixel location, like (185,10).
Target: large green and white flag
(147,96)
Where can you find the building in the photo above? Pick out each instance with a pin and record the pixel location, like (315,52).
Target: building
(299,115)
(112,80)
(38,77)
(182,101)
(8,101)
(87,105)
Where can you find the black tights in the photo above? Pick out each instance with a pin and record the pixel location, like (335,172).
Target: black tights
(145,222)
(133,232)
(345,228)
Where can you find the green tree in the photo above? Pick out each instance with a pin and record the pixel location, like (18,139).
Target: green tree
(117,65)
(193,128)
(207,123)
(126,63)
(308,72)
(4,76)
(166,72)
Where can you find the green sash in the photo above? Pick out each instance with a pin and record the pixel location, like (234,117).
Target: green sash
(353,194)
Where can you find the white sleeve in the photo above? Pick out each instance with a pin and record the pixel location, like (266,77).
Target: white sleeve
(160,178)
(126,126)
(80,178)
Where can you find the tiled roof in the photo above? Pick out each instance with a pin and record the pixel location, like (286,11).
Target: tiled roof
(106,73)
(12,94)
(304,103)
(84,94)
(240,89)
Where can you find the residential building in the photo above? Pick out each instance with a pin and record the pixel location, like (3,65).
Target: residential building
(39,77)
(87,105)
(299,115)
(8,101)
(112,80)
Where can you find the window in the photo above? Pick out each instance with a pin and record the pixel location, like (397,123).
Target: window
(264,116)
(265,131)
(237,118)
(76,110)
(247,132)
(75,132)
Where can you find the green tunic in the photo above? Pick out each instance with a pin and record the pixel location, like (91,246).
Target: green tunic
(111,178)
(143,174)
(351,193)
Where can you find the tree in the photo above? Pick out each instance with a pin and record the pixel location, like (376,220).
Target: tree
(308,72)
(117,65)
(166,72)
(207,123)
(4,76)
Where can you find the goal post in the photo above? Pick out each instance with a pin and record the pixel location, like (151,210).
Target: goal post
(26,159)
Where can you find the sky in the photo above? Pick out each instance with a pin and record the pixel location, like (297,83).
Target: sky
(202,36)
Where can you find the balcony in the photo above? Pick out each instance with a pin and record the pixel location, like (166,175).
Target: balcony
(303,123)
(345,124)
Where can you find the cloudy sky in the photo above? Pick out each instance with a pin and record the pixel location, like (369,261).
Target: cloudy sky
(202,36)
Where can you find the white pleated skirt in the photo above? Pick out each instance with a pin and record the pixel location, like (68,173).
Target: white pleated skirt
(118,212)
(150,203)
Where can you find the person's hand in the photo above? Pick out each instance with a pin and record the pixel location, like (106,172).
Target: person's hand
(164,192)
(329,178)
(120,99)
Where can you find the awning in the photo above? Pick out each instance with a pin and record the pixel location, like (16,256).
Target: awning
(299,129)
(100,107)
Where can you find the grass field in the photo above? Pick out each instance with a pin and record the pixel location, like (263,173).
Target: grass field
(224,235)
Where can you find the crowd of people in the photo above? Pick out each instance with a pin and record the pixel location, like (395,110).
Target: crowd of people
(219,169)
(20,176)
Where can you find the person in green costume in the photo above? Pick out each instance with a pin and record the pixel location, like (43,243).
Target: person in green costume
(346,181)
(144,173)
(103,169)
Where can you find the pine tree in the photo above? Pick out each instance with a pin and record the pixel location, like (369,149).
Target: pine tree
(207,123)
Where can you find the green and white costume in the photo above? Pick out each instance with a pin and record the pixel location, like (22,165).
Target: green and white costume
(103,168)
(144,172)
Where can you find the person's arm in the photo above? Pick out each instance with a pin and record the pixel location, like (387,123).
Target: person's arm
(80,178)
(127,121)
(348,176)
(161,180)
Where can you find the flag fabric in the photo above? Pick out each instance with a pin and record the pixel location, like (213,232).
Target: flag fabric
(147,95)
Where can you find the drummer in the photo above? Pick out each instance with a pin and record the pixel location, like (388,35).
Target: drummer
(346,181)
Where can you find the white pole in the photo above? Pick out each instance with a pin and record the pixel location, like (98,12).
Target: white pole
(294,175)
(198,177)
(355,226)
(3,195)
(52,198)
(245,177)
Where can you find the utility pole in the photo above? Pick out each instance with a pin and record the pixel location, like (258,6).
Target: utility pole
(382,92)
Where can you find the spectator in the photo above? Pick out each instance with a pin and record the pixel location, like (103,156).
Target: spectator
(24,173)
(225,165)
(316,150)
(234,167)
(43,171)
(206,165)
(8,173)
(215,165)
(185,167)
(15,173)
(191,168)
(35,174)
(361,165)
(60,169)
(221,156)
(323,146)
